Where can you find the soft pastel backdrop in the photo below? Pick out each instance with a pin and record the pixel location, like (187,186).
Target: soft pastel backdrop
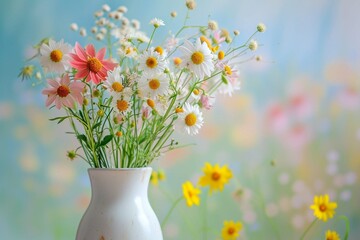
(291,132)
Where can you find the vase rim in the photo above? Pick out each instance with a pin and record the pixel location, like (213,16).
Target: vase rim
(120,169)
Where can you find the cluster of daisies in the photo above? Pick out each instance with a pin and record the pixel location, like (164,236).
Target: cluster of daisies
(130,95)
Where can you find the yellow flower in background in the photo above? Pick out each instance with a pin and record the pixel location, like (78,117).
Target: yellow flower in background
(191,194)
(215,176)
(231,230)
(157,176)
(323,208)
(332,235)
(154,178)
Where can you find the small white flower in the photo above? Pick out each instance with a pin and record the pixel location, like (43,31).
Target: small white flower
(156,22)
(74,27)
(94,30)
(122,9)
(114,81)
(236,32)
(103,30)
(212,25)
(99,13)
(151,86)
(136,24)
(197,58)
(121,103)
(152,62)
(190,119)
(229,78)
(82,32)
(106,8)
(99,36)
(253,45)
(127,51)
(261,27)
(173,14)
(55,56)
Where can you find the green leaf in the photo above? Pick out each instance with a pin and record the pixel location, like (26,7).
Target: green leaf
(96,125)
(106,140)
(59,118)
(223,79)
(82,137)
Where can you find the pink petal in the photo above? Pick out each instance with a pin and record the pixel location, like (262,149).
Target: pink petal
(101,54)
(82,73)
(94,78)
(109,65)
(80,52)
(50,100)
(76,58)
(53,83)
(57,103)
(78,65)
(65,80)
(90,50)
(49,91)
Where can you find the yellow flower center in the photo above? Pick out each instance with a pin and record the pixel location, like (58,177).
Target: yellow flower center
(128,51)
(179,110)
(159,50)
(94,64)
(56,55)
(154,84)
(119,133)
(215,176)
(190,119)
(197,58)
(221,55)
(227,70)
(117,87)
(151,62)
(63,91)
(322,207)
(151,103)
(196,92)
(177,61)
(122,105)
(231,230)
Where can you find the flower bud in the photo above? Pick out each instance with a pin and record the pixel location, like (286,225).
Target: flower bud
(253,45)
(173,14)
(82,32)
(212,25)
(236,32)
(191,4)
(261,27)
(74,27)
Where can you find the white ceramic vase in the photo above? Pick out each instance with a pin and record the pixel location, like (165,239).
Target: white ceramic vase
(119,208)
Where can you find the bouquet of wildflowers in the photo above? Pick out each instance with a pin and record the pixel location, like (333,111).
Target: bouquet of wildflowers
(125,100)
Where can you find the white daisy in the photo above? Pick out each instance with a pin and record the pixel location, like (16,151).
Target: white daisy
(156,22)
(114,81)
(229,78)
(151,62)
(190,119)
(151,86)
(55,56)
(160,105)
(121,103)
(197,58)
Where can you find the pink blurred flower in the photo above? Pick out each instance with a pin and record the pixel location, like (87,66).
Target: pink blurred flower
(63,92)
(91,65)
(297,137)
(349,98)
(207,101)
(300,105)
(276,118)
(218,37)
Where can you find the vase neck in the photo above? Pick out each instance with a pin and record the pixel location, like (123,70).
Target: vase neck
(119,183)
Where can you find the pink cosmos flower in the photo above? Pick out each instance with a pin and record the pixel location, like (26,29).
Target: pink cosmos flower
(91,65)
(64,92)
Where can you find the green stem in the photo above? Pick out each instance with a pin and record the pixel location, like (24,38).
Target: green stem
(170,211)
(151,37)
(205,216)
(308,229)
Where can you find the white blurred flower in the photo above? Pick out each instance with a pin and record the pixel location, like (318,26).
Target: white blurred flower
(156,22)
(74,27)
(106,8)
(345,195)
(332,169)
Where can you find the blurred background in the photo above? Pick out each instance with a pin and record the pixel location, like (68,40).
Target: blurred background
(293,131)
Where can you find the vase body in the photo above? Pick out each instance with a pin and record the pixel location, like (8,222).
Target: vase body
(119,208)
